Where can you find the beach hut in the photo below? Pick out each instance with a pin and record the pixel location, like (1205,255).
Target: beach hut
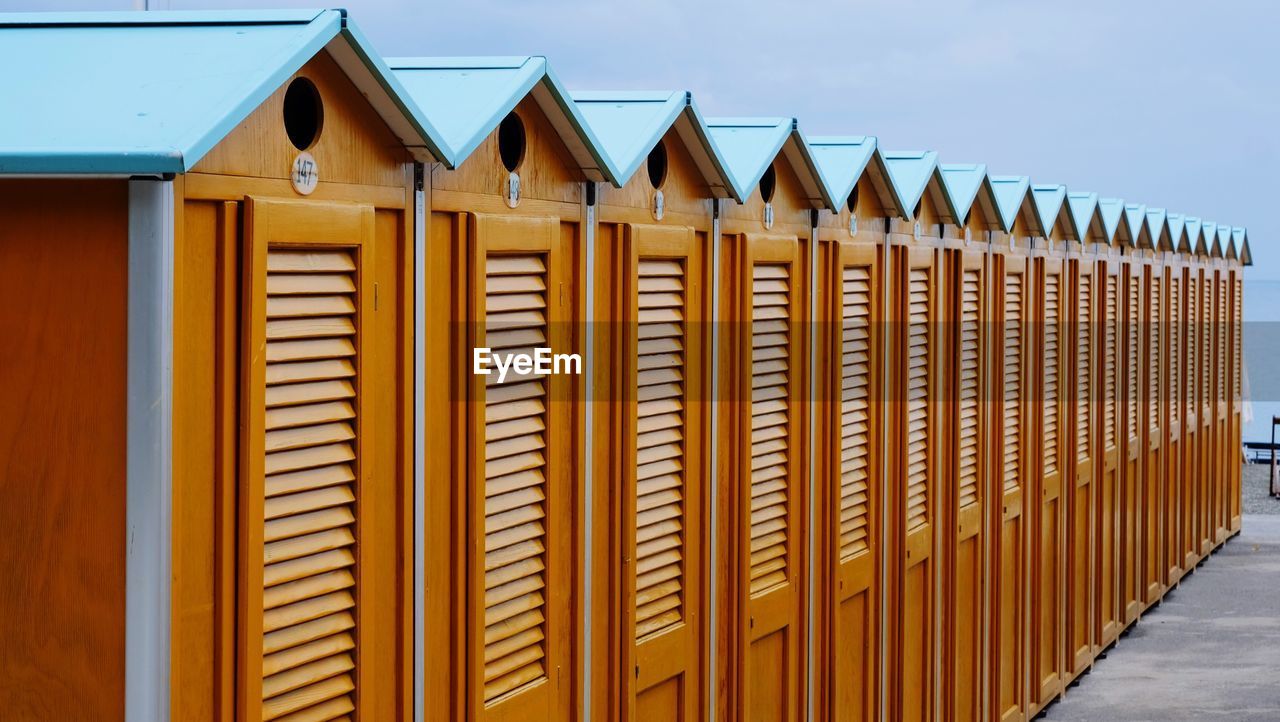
(1104,317)
(766,268)
(1175,313)
(1078,376)
(1130,358)
(1198,288)
(915,358)
(850,426)
(1225,456)
(1153,239)
(212,445)
(507,231)
(963,497)
(1237,260)
(1048,448)
(651,299)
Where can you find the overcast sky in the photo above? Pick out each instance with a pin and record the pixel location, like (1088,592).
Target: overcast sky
(1170,103)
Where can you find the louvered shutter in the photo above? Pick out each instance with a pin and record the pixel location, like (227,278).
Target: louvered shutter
(1154,331)
(1174,324)
(1206,350)
(1084,368)
(1221,330)
(919,288)
(517,504)
(771,455)
(855,410)
(1237,360)
(1052,307)
(970,319)
(307,335)
(1111,316)
(1191,339)
(1012,407)
(1132,331)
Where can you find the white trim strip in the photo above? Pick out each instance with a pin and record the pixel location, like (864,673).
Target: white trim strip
(149,466)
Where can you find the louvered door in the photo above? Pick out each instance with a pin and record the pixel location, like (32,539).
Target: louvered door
(913,483)
(854,513)
(1130,477)
(1204,392)
(1172,322)
(773,485)
(1223,457)
(518,541)
(1048,602)
(1011,467)
(1152,509)
(663,475)
(309,474)
(1082,379)
(1106,517)
(962,606)
(1234,413)
(1191,425)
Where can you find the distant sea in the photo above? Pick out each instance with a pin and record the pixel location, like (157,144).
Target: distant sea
(1261,358)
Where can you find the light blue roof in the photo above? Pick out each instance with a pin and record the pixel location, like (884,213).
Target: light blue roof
(1157,223)
(1210,231)
(1084,212)
(467,98)
(748,145)
(1195,235)
(1178,233)
(1114,221)
(150,93)
(1012,193)
(1224,239)
(629,124)
(962,182)
(1135,216)
(1049,200)
(910,171)
(843,159)
(1240,237)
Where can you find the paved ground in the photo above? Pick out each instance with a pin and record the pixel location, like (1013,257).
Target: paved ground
(1210,651)
(1256,483)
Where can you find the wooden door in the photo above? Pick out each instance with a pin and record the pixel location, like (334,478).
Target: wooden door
(1234,412)
(1223,456)
(663,464)
(1191,429)
(1048,608)
(1174,326)
(312,469)
(1107,524)
(1132,451)
(1083,335)
(966,315)
(773,489)
(1206,413)
(519,568)
(854,501)
(1152,511)
(912,482)
(1010,453)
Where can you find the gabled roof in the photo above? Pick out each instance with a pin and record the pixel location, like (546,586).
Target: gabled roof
(1052,209)
(911,171)
(1195,236)
(748,145)
(1157,221)
(123,93)
(1114,221)
(1086,216)
(629,124)
(1240,237)
(1220,241)
(1210,231)
(1178,235)
(1013,196)
(1135,214)
(966,185)
(467,98)
(842,160)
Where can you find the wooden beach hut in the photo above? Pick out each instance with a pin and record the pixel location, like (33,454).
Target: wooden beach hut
(507,234)
(209,513)
(1201,286)
(1149,238)
(850,427)
(1225,457)
(651,321)
(914,355)
(964,498)
(1237,258)
(1175,312)
(766,255)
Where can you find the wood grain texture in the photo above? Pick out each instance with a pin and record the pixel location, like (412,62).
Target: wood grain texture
(63,280)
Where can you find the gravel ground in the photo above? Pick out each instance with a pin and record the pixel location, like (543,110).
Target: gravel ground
(1255,481)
